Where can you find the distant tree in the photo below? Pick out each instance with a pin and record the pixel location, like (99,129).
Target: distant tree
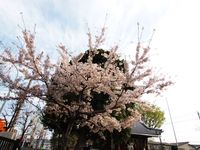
(25,122)
(73,88)
(153,117)
(11,113)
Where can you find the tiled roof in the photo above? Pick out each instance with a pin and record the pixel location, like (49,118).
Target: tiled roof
(140,128)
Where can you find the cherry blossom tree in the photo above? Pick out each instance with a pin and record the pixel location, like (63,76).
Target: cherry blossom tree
(81,92)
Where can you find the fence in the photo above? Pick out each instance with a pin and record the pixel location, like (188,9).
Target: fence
(7,144)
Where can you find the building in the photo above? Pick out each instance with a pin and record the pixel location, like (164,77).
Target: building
(44,144)
(140,134)
(172,146)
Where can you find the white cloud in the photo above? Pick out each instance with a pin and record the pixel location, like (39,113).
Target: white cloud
(177,51)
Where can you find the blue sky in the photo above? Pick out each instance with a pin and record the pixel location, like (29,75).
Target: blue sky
(174,49)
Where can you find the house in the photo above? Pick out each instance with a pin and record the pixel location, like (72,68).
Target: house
(140,134)
(196,146)
(139,138)
(185,146)
(172,146)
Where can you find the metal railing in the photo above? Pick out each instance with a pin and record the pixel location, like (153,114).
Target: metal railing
(7,144)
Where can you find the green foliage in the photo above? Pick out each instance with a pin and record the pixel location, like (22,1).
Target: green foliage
(124,112)
(100,59)
(118,138)
(121,137)
(99,100)
(153,117)
(56,141)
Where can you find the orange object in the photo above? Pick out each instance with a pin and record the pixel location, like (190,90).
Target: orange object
(2,125)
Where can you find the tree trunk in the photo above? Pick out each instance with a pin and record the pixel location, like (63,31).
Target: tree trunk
(64,142)
(82,139)
(112,146)
(65,136)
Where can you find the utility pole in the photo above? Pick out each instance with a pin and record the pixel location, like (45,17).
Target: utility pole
(172,123)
